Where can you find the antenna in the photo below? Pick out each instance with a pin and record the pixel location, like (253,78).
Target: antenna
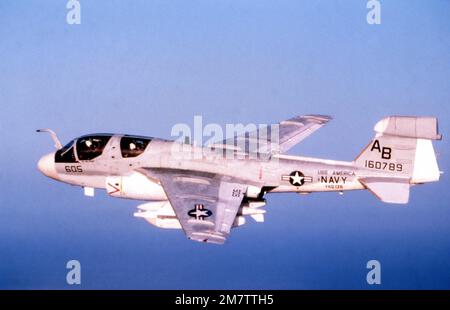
(55,139)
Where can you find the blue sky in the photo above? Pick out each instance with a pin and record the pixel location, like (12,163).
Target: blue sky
(142,66)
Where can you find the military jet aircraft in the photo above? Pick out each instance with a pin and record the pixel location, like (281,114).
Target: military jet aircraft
(207,195)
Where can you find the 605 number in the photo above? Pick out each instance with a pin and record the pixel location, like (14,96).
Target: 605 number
(73,169)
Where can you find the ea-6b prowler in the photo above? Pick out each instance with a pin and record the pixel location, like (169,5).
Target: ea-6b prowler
(207,195)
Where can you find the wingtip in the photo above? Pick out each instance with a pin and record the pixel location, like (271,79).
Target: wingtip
(317,117)
(322,116)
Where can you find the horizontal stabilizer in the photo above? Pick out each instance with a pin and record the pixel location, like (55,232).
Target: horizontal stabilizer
(409,127)
(391,190)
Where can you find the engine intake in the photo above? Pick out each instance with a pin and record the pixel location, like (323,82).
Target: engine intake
(134,186)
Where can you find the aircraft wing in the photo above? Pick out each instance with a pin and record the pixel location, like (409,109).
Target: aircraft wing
(290,132)
(205,204)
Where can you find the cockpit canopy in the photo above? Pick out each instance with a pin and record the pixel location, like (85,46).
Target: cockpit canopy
(132,146)
(92,146)
(66,154)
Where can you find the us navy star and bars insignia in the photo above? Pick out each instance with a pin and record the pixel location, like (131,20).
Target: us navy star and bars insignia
(199,212)
(296,178)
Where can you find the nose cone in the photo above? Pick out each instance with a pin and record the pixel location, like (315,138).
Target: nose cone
(47,165)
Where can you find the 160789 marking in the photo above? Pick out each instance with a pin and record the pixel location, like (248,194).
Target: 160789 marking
(382,165)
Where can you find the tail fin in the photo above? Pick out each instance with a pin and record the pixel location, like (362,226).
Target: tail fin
(401,154)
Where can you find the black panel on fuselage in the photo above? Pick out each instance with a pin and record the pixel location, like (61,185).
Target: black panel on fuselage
(66,154)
